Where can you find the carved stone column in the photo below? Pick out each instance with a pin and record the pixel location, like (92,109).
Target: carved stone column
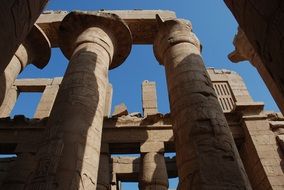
(104,176)
(47,99)
(9,102)
(153,172)
(35,49)
(17,20)
(69,157)
(207,157)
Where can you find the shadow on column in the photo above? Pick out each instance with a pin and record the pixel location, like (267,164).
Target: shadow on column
(71,124)
(206,153)
(2,88)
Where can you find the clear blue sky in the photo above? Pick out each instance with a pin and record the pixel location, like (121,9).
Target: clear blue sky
(213,24)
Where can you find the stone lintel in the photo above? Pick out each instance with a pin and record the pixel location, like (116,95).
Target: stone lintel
(32,85)
(152,147)
(127,168)
(130,137)
(249,108)
(17,19)
(57,80)
(142,23)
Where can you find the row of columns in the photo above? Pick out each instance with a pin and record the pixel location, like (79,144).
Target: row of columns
(68,157)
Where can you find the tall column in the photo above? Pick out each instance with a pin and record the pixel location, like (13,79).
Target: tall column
(35,49)
(207,157)
(46,102)
(153,171)
(69,156)
(153,168)
(9,102)
(17,19)
(104,176)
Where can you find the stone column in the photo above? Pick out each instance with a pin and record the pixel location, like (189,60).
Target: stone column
(9,102)
(69,156)
(17,20)
(49,94)
(207,157)
(108,100)
(104,176)
(153,172)
(153,168)
(35,49)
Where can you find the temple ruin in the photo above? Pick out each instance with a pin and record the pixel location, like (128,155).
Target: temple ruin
(222,138)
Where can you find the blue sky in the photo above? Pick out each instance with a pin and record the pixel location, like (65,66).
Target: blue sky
(213,24)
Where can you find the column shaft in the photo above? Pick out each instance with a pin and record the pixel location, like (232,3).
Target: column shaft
(9,102)
(207,157)
(20,173)
(69,158)
(46,102)
(104,172)
(35,49)
(153,172)
(18,62)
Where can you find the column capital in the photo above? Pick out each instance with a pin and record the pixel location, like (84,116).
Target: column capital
(75,23)
(38,47)
(243,49)
(172,32)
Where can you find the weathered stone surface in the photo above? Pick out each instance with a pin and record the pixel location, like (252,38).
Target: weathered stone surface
(206,153)
(9,102)
(17,19)
(129,168)
(132,135)
(5,165)
(46,102)
(20,173)
(245,51)
(108,100)
(10,74)
(152,147)
(104,174)
(153,172)
(33,85)
(149,98)
(280,140)
(69,156)
(262,23)
(142,23)
(35,49)
(260,153)
(237,90)
(69,143)
(120,110)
